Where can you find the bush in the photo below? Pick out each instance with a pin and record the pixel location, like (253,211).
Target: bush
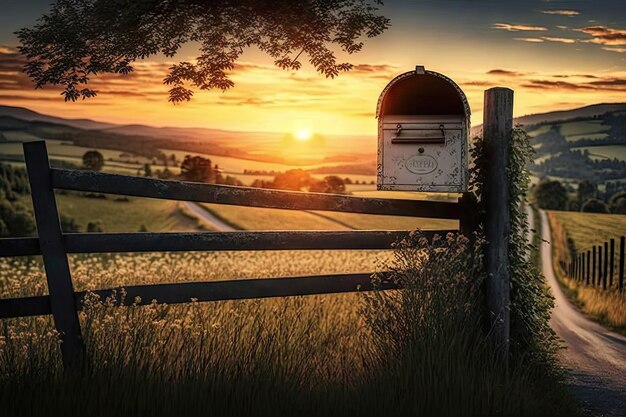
(69,225)
(16,220)
(550,195)
(617,203)
(94,227)
(594,205)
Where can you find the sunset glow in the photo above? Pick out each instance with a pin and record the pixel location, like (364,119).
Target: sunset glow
(303,134)
(536,51)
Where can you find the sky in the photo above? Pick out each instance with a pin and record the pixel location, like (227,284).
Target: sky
(556,55)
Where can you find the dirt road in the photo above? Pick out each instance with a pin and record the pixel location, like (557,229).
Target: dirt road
(208,217)
(595,356)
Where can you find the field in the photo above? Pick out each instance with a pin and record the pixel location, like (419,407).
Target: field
(332,355)
(605,152)
(586,230)
(591,129)
(115,214)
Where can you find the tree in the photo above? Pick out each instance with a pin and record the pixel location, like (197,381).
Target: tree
(147,170)
(617,203)
(94,227)
(93,160)
(593,205)
(15,220)
(550,195)
(69,225)
(586,190)
(81,38)
(197,169)
(293,179)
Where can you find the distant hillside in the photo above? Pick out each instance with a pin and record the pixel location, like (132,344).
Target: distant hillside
(30,115)
(274,147)
(587,111)
(563,115)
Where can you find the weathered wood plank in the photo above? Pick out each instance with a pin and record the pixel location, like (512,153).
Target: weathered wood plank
(25,307)
(245,196)
(497,128)
(214,241)
(233,241)
(19,246)
(240,289)
(185,292)
(60,287)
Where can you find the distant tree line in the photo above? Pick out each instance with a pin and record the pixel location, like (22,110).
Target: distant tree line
(553,195)
(301,180)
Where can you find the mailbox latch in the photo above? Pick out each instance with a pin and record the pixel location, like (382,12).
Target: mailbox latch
(420,135)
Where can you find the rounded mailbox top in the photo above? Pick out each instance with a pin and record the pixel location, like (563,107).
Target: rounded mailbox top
(422,92)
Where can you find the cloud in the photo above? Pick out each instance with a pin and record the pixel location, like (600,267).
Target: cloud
(505,73)
(604,84)
(512,27)
(569,13)
(614,49)
(560,40)
(556,85)
(7,50)
(604,35)
(533,40)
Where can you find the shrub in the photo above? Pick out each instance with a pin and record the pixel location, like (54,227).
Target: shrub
(550,195)
(594,205)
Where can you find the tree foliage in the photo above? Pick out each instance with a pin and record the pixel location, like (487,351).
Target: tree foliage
(550,195)
(93,160)
(81,38)
(531,335)
(593,205)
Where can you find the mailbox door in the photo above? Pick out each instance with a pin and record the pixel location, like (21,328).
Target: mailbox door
(423,154)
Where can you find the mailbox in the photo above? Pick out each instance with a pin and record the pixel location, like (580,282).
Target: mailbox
(423,134)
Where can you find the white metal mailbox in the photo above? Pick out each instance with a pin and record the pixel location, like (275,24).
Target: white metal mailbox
(423,134)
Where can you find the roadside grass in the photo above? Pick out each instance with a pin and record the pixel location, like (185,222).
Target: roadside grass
(419,351)
(607,307)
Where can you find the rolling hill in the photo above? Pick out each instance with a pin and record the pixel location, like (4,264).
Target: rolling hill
(584,143)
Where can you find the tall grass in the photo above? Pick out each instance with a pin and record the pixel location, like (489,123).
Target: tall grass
(418,351)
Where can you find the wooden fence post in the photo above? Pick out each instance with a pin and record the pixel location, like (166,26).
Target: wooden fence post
(588,266)
(497,128)
(612,263)
(605,266)
(599,282)
(62,301)
(582,270)
(593,270)
(621,262)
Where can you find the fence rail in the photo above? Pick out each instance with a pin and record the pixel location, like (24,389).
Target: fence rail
(599,266)
(54,245)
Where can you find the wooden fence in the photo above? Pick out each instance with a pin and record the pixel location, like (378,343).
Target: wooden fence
(599,266)
(54,245)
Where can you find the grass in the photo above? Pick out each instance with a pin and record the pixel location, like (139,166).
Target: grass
(415,352)
(586,229)
(585,128)
(124,216)
(606,152)
(373,222)
(255,218)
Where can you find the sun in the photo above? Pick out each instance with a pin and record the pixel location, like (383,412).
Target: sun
(303,134)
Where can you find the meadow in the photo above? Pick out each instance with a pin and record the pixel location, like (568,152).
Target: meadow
(420,351)
(585,230)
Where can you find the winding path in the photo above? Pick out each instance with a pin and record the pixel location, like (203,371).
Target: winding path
(594,356)
(207,216)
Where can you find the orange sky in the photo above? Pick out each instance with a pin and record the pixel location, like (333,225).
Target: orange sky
(553,61)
